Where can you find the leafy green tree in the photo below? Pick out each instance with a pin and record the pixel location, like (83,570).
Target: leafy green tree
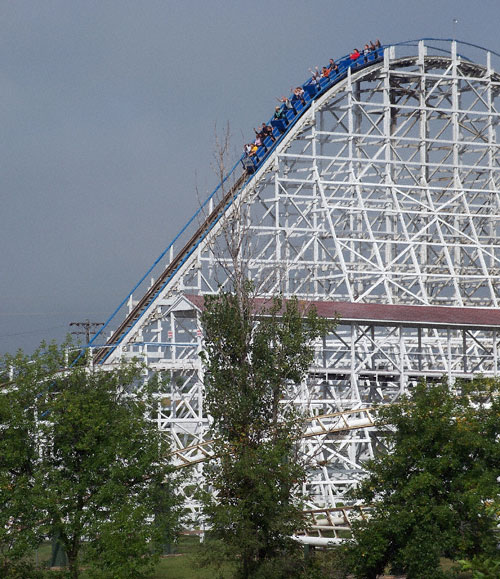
(19,477)
(95,469)
(433,494)
(250,360)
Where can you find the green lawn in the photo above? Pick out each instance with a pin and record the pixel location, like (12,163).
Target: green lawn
(183,564)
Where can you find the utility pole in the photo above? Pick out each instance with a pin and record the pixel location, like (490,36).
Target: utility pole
(89,328)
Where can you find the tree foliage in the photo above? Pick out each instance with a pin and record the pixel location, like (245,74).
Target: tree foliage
(250,359)
(82,461)
(19,476)
(436,493)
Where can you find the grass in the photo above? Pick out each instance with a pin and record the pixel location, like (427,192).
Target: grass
(183,564)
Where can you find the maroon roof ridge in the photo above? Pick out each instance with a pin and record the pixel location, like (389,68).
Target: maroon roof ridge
(392,313)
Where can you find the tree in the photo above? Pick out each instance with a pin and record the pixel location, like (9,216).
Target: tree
(250,359)
(434,494)
(94,467)
(19,477)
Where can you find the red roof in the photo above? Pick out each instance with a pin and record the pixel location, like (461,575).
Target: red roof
(394,314)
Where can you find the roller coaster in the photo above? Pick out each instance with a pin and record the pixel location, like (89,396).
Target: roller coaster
(377,201)
(250,165)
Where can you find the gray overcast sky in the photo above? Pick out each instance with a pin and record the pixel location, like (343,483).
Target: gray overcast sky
(107,112)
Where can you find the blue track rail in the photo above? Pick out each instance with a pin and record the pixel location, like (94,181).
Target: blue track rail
(250,167)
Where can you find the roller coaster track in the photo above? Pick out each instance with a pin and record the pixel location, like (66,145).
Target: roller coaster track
(250,168)
(311,94)
(335,422)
